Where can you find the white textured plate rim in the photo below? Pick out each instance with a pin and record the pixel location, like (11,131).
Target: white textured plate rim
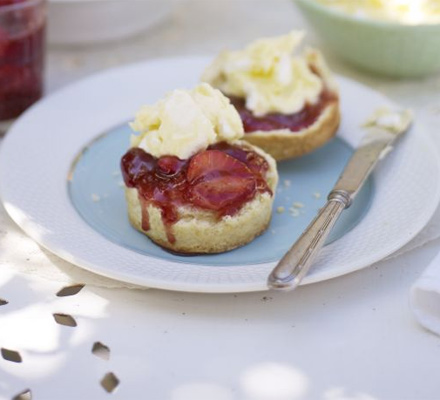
(197,285)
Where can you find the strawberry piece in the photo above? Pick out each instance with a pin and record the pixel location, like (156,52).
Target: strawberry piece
(253,161)
(256,163)
(223,193)
(170,165)
(135,165)
(219,181)
(214,163)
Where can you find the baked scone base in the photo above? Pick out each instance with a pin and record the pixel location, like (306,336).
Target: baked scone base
(283,143)
(199,231)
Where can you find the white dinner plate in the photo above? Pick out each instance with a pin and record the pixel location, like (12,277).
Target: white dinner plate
(90,228)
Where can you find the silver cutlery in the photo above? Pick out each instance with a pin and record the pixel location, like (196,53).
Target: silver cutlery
(383,129)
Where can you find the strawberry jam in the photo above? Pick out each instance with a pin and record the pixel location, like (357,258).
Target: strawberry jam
(273,121)
(22,25)
(220,179)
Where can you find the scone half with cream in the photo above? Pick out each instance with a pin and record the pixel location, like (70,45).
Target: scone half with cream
(289,104)
(192,185)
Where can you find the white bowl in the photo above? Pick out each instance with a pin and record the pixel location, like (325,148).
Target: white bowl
(90,21)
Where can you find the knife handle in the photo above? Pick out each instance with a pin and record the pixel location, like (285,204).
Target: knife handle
(292,268)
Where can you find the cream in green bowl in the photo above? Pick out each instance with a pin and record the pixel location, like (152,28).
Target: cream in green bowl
(385,47)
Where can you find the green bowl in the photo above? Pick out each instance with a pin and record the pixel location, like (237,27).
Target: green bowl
(384,48)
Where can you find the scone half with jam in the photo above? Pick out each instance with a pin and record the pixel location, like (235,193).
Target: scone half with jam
(192,185)
(289,104)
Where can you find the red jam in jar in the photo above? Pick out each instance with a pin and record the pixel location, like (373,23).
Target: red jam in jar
(220,179)
(22,31)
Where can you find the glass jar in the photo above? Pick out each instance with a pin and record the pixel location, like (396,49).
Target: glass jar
(22,45)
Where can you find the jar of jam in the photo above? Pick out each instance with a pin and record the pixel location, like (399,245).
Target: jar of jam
(22,32)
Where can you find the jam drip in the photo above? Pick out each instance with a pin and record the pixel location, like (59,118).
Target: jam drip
(220,179)
(273,121)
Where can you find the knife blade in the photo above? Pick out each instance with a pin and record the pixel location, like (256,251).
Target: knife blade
(384,127)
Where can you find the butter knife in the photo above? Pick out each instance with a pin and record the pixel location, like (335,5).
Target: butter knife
(383,129)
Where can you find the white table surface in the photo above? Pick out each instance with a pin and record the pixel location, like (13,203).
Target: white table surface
(350,338)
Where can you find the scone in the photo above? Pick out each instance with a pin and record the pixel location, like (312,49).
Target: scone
(192,186)
(289,104)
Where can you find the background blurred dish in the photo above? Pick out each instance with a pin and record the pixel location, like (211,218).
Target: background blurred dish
(90,21)
(386,48)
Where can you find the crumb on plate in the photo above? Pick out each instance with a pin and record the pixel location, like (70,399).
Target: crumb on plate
(294,212)
(95,197)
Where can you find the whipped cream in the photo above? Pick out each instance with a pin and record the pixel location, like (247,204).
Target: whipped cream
(401,11)
(186,122)
(267,75)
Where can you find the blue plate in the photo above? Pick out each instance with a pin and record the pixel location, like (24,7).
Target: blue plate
(97,193)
